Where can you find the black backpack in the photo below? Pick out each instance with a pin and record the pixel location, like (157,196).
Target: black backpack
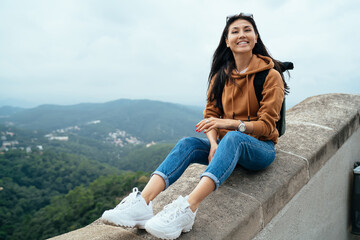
(258,86)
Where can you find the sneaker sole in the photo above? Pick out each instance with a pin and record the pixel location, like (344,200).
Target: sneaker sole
(129,224)
(114,220)
(168,236)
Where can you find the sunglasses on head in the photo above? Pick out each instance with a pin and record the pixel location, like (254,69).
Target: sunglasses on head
(239,15)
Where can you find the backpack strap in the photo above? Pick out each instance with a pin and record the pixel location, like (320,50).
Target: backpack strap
(281,124)
(259,81)
(261,76)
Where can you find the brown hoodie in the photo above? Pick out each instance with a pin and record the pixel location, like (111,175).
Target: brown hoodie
(240,99)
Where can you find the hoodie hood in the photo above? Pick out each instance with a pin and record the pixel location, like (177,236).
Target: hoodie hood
(257,64)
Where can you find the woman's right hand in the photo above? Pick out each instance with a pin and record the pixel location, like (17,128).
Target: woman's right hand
(213,148)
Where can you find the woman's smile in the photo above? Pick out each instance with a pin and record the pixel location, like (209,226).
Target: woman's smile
(242,43)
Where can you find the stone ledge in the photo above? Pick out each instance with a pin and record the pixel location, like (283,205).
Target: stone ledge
(246,202)
(98,231)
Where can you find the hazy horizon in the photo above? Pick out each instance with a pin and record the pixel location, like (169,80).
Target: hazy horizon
(89,102)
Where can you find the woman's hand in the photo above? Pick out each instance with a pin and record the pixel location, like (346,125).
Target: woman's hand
(212,151)
(212,123)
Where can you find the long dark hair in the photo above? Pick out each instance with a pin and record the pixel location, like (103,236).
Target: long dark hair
(223,61)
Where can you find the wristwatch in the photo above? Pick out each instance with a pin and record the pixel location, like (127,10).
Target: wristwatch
(241,127)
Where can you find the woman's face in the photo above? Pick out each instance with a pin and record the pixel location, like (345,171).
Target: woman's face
(241,37)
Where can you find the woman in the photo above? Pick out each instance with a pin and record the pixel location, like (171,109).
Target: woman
(238,131)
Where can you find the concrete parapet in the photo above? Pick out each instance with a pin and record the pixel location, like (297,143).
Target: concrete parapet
(248,201)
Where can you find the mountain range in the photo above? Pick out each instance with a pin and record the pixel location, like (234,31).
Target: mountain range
(144,119)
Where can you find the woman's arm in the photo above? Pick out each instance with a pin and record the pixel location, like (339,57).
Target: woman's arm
(212,136)
(212,123)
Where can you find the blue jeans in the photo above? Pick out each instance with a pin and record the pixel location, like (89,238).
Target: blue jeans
(235,148)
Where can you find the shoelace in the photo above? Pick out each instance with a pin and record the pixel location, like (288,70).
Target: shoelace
(129,200)
(173,210)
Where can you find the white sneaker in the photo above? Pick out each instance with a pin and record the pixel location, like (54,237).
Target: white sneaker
(175,218)
(132,211)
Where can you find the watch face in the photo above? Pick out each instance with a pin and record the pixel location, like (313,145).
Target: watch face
(242,127)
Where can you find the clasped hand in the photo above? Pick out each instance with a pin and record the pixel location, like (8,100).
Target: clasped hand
(208,124)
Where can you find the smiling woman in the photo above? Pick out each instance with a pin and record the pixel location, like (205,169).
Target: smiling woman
(240,132)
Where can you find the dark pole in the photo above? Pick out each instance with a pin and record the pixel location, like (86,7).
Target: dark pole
(355,203)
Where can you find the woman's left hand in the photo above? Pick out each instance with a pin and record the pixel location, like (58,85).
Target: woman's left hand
(208,124)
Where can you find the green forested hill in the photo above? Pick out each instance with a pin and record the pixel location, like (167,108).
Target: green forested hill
(46,193)
(79,207)
(29,181)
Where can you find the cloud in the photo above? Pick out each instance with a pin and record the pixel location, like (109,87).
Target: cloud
(92,51)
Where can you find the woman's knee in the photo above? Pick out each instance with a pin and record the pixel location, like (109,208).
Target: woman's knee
(234,137)
(258,161)
(257,166)
(187,139)
(187,142)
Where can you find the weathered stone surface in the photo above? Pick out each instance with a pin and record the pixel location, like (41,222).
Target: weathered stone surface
(329,110)
(239,209)
(318,126)
(98,231)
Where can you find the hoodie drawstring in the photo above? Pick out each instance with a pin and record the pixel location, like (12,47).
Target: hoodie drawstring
(232,101)
(248,96)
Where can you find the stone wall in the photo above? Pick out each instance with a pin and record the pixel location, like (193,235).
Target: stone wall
(250,204)
(320,210)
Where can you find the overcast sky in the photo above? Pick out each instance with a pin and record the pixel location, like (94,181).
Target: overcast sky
(74,51)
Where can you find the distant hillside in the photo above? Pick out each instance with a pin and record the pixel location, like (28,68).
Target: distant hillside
(144,119)
(133,157)
(6,111)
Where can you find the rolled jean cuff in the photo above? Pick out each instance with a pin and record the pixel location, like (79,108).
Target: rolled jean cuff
(212,177)
(166,179)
